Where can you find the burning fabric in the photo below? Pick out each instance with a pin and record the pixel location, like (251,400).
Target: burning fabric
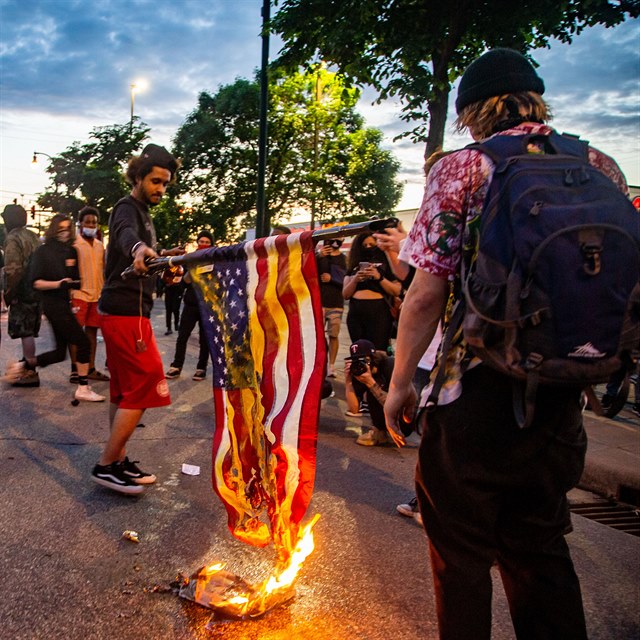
(262,317)
(233,597)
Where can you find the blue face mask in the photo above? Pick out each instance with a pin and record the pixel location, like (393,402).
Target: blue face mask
(89,233)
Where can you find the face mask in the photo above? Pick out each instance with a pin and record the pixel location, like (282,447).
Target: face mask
(63,235)
(89,233)
(336,244)
(368,253)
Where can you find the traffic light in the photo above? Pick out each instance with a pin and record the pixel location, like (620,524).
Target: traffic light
(636,202)
(33,211)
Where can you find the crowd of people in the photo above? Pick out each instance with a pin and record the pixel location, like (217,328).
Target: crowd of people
(477,507)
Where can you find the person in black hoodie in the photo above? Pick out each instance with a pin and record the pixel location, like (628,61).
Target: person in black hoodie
(54,272)
(137,375)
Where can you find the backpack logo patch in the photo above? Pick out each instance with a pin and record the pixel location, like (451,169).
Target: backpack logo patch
(586,351)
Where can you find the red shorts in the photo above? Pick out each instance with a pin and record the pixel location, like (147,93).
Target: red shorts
(137,376)
(86,313)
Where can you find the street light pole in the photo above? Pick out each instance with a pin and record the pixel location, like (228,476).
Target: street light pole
(133,99)
(262,211)
(138,85)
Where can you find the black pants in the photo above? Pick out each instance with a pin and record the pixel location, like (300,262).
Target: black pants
(376,410)
(489,491)
(371,320)
(172,300)
(190,317)
(66,331)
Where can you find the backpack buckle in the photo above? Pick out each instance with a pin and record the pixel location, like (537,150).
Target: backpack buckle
(533,361)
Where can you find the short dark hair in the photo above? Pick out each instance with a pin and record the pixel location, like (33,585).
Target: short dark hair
(152,155)
(205,234)
(88,211)
(281,229)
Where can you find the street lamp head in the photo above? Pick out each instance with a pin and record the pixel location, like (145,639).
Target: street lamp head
(138,85)
(39,153)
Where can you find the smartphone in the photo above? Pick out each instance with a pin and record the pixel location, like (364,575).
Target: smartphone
(364,265)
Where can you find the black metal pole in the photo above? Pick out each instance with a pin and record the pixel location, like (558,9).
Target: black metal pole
(262,217)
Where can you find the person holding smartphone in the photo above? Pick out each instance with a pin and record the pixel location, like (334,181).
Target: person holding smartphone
(368,286)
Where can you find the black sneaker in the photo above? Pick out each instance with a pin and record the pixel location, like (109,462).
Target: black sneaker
(635,408)
(113,477)
(135,473)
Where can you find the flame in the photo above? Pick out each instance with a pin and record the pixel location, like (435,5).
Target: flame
(230,595)
(304,547)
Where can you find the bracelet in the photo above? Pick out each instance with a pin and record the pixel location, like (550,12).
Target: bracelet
(135,247)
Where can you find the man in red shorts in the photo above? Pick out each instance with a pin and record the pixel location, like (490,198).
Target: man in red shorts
(84,301)
(137,374)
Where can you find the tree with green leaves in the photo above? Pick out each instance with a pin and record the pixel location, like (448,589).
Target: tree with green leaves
(415,50)
(320,156)
(93,173)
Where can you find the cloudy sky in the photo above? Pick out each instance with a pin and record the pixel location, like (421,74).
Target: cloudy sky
(66,66)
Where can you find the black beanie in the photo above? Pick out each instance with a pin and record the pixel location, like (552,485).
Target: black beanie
(158,156)
(495,73)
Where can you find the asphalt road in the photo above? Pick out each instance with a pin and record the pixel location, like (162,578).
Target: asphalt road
(66,573)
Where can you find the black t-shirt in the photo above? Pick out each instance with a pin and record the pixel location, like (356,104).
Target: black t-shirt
(53,261)
(129,224)
(331,292)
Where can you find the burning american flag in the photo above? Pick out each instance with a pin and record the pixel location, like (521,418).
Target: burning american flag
(260,304)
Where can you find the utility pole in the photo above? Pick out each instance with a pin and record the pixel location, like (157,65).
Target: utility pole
(314,195)
(262,217)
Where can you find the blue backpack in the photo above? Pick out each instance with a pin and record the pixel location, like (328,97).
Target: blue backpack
(553,296)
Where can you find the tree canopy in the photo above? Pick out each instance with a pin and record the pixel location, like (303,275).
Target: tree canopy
(93,173)
(415,50)
(320,156)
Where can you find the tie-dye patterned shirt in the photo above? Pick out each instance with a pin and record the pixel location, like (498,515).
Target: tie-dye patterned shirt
(446,229)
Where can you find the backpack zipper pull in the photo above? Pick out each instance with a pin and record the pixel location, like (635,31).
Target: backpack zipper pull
(568,177)
(584,176)
(535,210)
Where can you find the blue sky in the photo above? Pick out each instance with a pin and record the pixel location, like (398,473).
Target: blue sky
(66,66)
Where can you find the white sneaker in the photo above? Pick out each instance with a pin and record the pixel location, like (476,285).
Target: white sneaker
(410,510)
(85,392)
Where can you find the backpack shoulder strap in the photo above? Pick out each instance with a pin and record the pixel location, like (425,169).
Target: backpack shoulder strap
(500,148)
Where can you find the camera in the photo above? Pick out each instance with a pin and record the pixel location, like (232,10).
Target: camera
(358,366)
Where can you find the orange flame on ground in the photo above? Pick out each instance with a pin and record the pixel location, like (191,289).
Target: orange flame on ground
(233,597)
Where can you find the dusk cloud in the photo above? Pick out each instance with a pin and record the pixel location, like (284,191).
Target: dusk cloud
(66,67)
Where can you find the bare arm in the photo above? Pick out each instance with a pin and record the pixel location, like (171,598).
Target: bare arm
(48,285)
(421,311)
